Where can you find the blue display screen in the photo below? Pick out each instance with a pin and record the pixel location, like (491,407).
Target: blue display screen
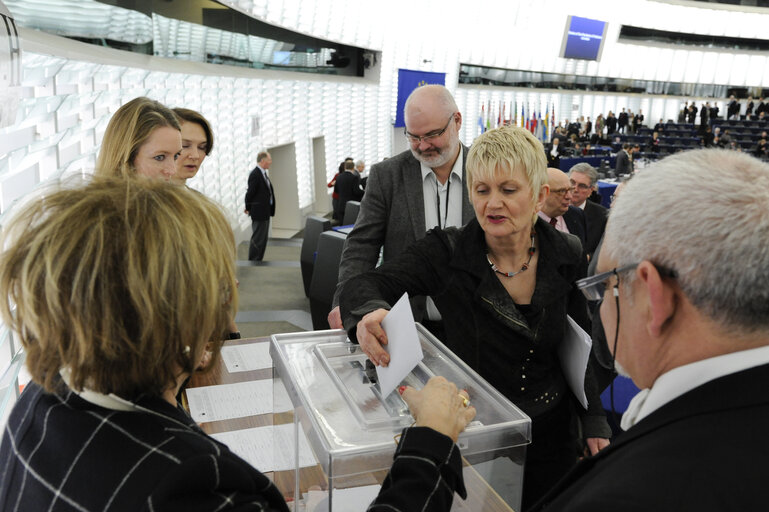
(584,38)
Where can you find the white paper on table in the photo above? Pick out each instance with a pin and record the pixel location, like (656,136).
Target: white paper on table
(402,345)
(268,448)
(245,358)
(574,353)
(227,401)
(353,499)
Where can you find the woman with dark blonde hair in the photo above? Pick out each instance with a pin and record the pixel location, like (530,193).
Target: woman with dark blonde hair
(114,310)
(143,137)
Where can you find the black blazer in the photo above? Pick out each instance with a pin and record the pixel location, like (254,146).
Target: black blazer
(258,196)
(575,221)
(595,219)
(706,450)
(347,187)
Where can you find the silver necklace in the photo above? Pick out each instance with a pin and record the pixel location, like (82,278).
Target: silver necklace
(523,268)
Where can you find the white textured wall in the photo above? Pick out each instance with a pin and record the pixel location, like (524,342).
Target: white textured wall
(70,89)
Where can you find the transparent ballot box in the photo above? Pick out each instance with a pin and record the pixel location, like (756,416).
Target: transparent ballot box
(346,432)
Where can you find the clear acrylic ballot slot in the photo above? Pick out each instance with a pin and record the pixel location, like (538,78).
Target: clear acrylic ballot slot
(352,429)
(346,365)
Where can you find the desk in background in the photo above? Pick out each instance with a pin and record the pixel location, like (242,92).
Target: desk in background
(567,163)
(606,189)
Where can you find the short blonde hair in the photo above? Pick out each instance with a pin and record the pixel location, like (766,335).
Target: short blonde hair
(127,130)
(114,280)
(506,148)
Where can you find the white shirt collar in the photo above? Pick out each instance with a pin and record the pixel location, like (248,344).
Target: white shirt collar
(110,401)
(676,382)
(456,171)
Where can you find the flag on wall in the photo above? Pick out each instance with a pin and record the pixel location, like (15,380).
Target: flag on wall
(480,120)
(408,80)
(552,120)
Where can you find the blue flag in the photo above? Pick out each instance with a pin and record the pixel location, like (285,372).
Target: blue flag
(408,80)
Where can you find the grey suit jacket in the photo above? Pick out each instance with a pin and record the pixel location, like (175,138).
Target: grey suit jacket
(392,216)
(623,165)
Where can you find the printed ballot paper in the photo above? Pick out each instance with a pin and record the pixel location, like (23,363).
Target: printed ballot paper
(246,358)
(402,345)
(574,353)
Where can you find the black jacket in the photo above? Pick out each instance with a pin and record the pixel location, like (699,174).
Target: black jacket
(484,327)
(706,450)
(258,196)
(347,188)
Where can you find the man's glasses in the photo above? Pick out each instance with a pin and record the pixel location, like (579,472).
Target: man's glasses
(415,139)
(561,191)
(594,287)
(580,186)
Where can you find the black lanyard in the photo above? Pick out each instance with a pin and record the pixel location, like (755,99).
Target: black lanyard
(438,202)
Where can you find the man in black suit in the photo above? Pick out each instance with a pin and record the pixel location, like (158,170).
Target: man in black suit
(557,209)
(554,153)
(584,179)
(622,121)
(733,108)
(260,205)
(695,436)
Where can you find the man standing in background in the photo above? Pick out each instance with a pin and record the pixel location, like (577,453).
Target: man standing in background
(260,205)
(410,193)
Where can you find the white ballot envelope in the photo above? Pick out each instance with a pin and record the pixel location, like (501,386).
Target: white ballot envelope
(402,345)
(574,353)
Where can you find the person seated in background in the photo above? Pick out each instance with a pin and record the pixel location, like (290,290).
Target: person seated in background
(659,127)
(347,188)
(726,138)
(654,143)
(761,150)
(143,137)
(112,321)
(503,284)
(708,138)
(197,143)
(691,328)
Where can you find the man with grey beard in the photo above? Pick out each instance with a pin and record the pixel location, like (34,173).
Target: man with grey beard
(410,193)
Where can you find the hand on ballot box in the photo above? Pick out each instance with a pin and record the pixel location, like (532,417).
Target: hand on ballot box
(440,406)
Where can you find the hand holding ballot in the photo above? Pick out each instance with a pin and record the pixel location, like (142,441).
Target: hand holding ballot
(440,406)
(371,337)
